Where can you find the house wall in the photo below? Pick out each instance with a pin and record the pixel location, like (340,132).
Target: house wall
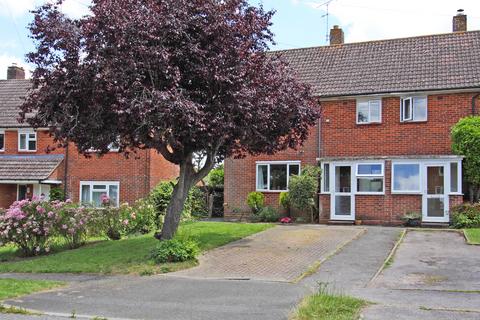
(161,169)
(8,194)
(136,174)
(342,137)
(240,175)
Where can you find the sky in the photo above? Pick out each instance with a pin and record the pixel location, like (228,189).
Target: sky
(297,23)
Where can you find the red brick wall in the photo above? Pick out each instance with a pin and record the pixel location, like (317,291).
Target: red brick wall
(342,137)
(8,194)
(161,169)
(43,141)
(240,176)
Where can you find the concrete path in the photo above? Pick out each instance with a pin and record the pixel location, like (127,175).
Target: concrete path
(435,275)
(279,254)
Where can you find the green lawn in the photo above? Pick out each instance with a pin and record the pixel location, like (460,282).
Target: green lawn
(128,255)
(11,288)
(327,306)
(473,235)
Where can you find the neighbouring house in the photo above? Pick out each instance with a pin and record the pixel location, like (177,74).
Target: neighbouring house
(383,141)
(27,169)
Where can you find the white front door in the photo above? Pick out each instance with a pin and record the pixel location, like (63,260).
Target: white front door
(435,194)
(342,198)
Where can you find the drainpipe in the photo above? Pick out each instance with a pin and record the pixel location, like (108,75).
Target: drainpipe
(474,99)
(65,173)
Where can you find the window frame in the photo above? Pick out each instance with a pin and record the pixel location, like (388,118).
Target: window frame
(370,176)
(420,175)
(2,132)
(412,108)
(268,163)
(366,100)
(323,177)
(27,134)
(106,183)
(459,191)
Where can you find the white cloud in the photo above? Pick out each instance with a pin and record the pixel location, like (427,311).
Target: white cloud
(16,8)
(380,19)
(7,60)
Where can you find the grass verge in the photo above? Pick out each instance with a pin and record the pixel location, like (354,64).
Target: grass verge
(129,255)
(328,306)
(11,288)
(472,235)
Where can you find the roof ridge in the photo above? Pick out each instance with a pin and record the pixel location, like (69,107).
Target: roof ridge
(378,40)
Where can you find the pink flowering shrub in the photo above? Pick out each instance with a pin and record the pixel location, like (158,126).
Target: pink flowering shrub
(72,222)
(29,224)
(286,220)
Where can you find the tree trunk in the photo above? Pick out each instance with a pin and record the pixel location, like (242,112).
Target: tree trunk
(177,202)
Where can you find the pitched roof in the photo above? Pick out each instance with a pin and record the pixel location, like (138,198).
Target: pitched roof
(11,94)
(28,168)
(434,62)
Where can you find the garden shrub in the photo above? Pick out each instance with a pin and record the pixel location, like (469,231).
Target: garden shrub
(266,214)
(29,224)
(175,250)
(141,217)
(255,201)
(196,202)
(216,177)
(57,194)
(72,222)
(162,193)
(111,221)
(284,201)
(466,215)
(303,189)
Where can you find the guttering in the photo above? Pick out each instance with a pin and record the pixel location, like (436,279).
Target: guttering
(65,172)
(398,93)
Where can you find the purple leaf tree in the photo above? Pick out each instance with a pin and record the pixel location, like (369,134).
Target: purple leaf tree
(184,77)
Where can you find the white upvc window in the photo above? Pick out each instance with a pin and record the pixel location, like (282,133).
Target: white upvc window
(325,186)
(370,178)
(406,177)
(369,111)
(27,141)
(92,192)
(2,140)
(456,177)
(414,109)
(274,176)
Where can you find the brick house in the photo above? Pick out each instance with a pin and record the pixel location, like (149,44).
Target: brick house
(27,170)
(383,141)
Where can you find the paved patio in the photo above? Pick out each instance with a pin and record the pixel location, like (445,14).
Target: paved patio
(280,254)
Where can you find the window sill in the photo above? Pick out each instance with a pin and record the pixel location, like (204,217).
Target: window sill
(413,121)
(370,193)
(368,123)
(271,191)
(408,193)
(27,151)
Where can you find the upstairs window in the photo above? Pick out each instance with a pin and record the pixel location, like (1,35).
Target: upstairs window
(2,140)
(275,176)
(413,109)
(369,111)
(27,141)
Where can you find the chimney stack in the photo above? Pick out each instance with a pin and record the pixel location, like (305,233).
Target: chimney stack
(15,72)
(336,35)
(460,21)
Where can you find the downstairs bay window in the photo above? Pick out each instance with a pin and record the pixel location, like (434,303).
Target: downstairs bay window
(275,176)
(92,192)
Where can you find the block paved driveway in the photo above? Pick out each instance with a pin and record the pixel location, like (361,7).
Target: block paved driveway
(282,253)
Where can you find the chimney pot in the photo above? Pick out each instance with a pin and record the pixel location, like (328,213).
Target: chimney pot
(460,21)
(336,35)
(15,72)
